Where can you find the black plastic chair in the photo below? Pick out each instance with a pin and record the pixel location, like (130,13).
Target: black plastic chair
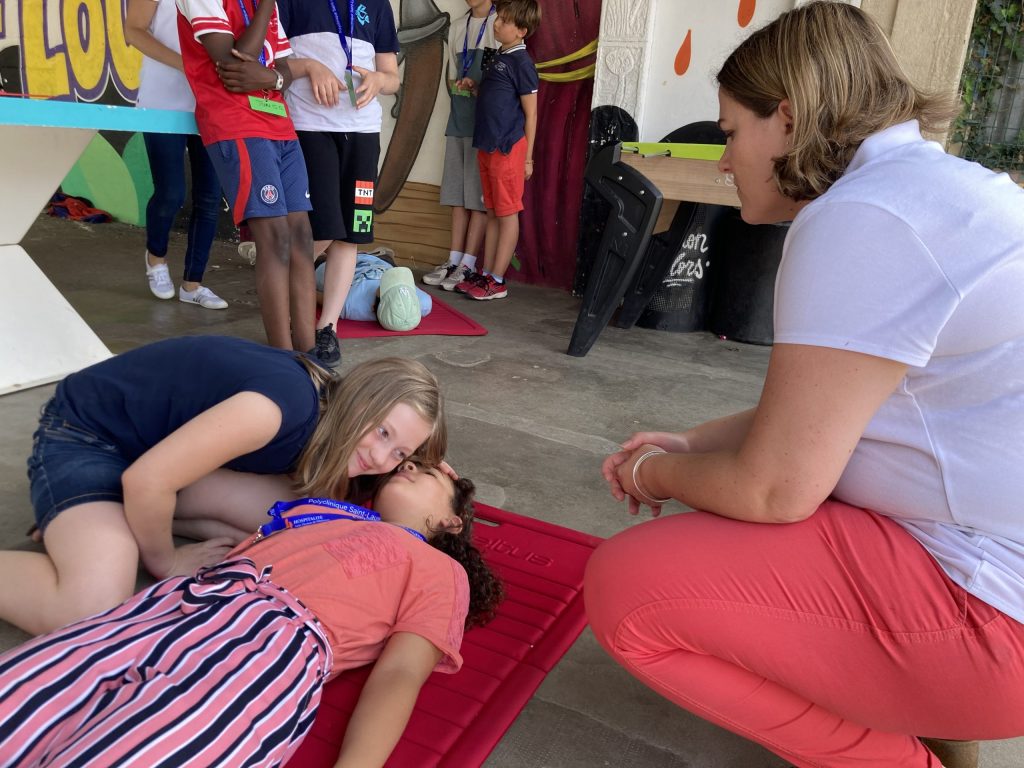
(635,204)
(657,258)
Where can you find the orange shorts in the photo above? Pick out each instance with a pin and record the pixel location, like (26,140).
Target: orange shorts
(503,178)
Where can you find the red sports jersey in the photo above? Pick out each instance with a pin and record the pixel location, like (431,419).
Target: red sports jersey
(220,114)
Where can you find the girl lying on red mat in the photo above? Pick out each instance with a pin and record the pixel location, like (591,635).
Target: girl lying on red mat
(226,668)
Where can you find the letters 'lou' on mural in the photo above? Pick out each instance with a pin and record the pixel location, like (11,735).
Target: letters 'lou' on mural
(76,48)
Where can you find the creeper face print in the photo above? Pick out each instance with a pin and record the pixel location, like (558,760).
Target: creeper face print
(362,221)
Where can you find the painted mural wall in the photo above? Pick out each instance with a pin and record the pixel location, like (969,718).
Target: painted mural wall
(691,40)
(75,49)
(658,57)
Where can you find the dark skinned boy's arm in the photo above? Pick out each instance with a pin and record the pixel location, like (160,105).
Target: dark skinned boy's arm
(246,73)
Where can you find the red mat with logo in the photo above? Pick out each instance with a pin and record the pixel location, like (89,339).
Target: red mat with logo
(460,718)
(443,320)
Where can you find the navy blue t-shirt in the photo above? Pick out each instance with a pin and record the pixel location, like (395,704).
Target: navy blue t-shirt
(135,400)
(500,120)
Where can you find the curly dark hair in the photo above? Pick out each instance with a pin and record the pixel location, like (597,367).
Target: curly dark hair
(485,589)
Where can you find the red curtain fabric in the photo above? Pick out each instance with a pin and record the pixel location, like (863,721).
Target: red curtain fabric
(550,224)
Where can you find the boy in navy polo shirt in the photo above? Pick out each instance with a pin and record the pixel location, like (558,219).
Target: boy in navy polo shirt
(506,124)
(233,53)
(345,54)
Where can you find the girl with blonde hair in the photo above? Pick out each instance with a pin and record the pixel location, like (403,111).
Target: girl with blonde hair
(201,433)
(854,578)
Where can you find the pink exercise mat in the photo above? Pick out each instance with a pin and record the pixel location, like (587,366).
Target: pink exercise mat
(460,718)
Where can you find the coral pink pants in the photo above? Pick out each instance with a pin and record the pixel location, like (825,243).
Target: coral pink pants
(832,642)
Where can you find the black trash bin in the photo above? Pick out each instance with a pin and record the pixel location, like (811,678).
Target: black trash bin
(683,298)
(743,295)
(681,259)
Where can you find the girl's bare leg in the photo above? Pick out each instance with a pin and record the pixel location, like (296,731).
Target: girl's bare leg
(90,565)
(228,503)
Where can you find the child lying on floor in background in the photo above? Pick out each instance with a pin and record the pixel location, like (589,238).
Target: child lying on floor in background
(226,668)
(383,292)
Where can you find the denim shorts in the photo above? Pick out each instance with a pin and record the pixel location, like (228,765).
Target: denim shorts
(70,466)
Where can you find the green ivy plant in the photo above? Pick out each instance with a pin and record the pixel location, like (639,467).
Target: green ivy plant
(996,44)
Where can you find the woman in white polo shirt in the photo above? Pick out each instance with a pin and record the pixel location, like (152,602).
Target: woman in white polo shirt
(152,27)
(856,577)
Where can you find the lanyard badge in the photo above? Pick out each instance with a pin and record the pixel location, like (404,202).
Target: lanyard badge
(264,104)
(467,54)
(346,46)
(343,511)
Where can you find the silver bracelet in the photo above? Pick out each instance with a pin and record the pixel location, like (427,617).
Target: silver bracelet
(636,479)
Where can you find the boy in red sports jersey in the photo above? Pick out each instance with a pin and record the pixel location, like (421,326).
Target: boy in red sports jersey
(234,56)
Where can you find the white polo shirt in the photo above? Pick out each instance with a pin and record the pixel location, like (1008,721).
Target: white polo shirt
(918,256)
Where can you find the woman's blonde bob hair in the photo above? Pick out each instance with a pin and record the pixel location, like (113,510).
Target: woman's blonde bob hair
(357,403)
(835,66)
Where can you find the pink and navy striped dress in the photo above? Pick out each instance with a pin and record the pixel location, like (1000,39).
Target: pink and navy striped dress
(226,668)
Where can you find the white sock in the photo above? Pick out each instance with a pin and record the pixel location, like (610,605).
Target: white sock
(498,280)
(468,261)
(455,257)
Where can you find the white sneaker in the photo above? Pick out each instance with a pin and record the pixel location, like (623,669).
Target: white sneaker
(458,274)
(159,280)
(202,296)
(438,274)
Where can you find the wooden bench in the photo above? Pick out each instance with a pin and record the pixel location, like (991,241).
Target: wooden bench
(43,337)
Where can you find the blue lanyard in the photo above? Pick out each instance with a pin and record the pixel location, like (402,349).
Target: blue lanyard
(345,45)
(467,57)
(350,512)
(245,18)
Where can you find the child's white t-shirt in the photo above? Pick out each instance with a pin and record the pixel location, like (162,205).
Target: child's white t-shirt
(312,29)
(161,86)
(918,256)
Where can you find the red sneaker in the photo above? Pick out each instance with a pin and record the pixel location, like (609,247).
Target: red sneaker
(487,289)
(473,278)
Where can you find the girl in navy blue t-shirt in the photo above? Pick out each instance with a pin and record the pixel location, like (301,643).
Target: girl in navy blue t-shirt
(203,433)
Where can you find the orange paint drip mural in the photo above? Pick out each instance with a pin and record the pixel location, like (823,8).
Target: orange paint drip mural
(745,12)
(683,55)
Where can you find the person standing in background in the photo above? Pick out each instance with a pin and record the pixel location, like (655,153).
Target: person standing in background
(346,53)
(470,43)
(151,26)
(503,134)
(235,58)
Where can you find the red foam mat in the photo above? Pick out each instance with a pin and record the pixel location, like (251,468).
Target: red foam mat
(443,320)
(460,718)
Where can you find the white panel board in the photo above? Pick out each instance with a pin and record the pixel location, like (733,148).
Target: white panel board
(42,338)
(35,162)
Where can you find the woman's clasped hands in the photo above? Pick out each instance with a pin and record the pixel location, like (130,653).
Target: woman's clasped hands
(621,470)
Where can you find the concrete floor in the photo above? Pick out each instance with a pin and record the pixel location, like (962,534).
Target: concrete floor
(529,424)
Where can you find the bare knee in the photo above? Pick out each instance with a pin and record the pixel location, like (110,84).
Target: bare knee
(272,237)
(95,561)
(604,571)
(301,235)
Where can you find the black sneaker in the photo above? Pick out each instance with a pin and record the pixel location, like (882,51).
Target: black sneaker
(327,349)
